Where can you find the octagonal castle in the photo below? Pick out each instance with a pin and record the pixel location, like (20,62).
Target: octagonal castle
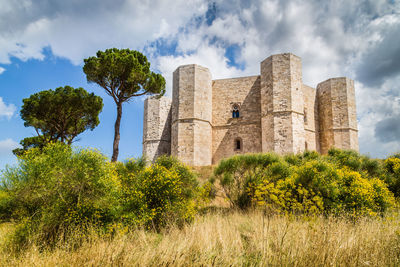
(208,120)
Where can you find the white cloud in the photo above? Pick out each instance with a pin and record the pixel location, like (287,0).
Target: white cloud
(6,146)
(75,29)
(6,110)
(2,70)
(211,57)
(262,28)
(374,107)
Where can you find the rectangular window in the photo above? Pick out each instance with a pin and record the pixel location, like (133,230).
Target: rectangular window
(237,144)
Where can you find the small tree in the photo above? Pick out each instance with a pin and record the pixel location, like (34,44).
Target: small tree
(123,74)
(59,115)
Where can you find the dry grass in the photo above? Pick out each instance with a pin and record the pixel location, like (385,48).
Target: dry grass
(235,239)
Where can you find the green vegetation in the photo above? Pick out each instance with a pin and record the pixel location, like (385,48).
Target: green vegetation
(56,189)
(59,115)
(160,194)
(123,74)
(343,182)
(64,205)
(392,174)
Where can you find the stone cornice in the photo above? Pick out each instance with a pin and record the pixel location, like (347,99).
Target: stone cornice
(221,125)
(156,140)
(281,112)
(189,120)
(340,129)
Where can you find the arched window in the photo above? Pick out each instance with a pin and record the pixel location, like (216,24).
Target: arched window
(238,144)
(306,146)
(235,110)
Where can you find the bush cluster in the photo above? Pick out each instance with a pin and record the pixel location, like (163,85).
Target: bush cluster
(58,192)
(340,182)
(157,195)
(57,189)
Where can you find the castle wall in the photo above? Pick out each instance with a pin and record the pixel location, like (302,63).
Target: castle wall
(337,114)
(310,118)
(246,92)
(156,127)
(282,106)
(191,134)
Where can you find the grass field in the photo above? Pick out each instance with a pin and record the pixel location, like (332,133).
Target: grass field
(234,239)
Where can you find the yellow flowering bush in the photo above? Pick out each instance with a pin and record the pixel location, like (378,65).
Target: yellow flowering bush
(294,191)
(308,183)
(57,188)
(319,186)
(362,196)
(162,193)
(285,197)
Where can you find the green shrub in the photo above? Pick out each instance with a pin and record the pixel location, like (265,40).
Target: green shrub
(348,158)
(392,174)
(56,188)
(360,196)
(342,181)
(318,186)
(285,196)
(131,167)
(371,168)
(321,178)
(206,193)
(236,173)
(6,205)
(160,194)
(185,174)
(299,159)
(294,189)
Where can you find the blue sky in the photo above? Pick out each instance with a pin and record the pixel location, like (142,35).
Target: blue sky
(43,44)
(25,78)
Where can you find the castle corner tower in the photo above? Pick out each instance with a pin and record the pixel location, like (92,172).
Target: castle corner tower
(337,114)
(282,104)
(191,126)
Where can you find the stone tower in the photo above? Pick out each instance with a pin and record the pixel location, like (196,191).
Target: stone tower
(156,127)
(282,106)
(191,138)
(337,114)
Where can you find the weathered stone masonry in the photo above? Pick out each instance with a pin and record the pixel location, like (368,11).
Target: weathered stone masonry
(208,120)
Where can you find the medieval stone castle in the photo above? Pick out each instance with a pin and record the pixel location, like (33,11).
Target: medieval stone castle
(208,120)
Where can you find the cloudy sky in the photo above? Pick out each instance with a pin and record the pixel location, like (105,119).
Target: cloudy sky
(43,44)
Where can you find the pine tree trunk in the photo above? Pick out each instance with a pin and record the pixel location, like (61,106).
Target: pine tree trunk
(116,133)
